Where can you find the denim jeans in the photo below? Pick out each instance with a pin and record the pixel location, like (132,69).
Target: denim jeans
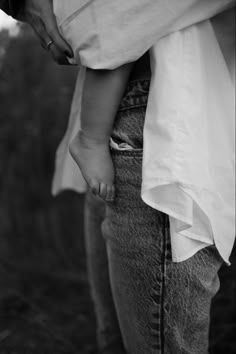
(108,332)
(162,307)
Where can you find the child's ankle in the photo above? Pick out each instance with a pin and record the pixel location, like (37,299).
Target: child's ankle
(93,138)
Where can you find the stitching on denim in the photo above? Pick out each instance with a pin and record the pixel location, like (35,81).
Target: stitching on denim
(158,294)
(143,82)
(168,241)
(166,258)
(165,247)
(136,94)
(133,102)
(126,108)
(138,153)
(155,324)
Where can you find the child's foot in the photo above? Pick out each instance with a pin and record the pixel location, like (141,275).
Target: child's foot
(94,159)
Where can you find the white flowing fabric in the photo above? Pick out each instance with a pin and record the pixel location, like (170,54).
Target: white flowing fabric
(107,33)
(67,174)
(188,163)
(188,160)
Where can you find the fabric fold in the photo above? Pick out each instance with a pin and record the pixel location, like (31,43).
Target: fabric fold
(96,35)
(67,174)
(189,139)
(189,132)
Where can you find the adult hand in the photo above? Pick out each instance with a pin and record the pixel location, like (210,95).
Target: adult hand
(39,14)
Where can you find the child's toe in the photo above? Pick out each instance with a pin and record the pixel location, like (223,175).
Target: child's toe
(113,191)
(110,194)
(94,187)
(103,190)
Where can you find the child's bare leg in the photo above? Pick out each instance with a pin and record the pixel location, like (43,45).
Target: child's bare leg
(103,90)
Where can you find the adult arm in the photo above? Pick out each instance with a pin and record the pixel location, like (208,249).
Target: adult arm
(39,14)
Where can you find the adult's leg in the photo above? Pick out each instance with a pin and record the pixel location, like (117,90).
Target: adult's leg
(163,307)
(108,331)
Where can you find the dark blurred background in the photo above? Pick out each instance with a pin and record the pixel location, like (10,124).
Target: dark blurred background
(45,306)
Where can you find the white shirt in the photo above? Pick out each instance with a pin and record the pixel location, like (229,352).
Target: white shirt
(188,160)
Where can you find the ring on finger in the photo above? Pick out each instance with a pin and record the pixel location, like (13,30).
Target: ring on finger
(48,45)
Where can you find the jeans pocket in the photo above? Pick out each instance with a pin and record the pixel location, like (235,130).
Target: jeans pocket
(136,95)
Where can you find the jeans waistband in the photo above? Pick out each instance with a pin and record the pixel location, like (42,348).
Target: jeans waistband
(136,94)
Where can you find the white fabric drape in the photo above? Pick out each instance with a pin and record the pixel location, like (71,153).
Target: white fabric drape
(189,143)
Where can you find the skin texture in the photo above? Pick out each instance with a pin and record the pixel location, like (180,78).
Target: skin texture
(39,14)
(89,151)
(102,93)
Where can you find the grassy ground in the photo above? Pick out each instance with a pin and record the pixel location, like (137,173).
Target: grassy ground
(45,306)
(55,319)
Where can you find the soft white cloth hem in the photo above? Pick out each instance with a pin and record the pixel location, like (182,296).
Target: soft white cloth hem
(190,254)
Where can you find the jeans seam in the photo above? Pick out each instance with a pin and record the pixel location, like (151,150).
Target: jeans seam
(163,283)
(134,98)
(131,106)
(159,296)
(138,153)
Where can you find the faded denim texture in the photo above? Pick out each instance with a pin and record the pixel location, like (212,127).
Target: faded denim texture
(108,332)
(162,307)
